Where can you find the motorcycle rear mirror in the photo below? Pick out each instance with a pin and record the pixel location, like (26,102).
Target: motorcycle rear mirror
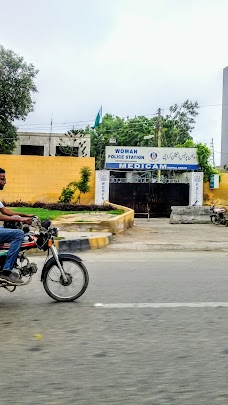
(46,223)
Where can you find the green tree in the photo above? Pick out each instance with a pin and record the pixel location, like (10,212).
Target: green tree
(16,89)
(179,123)
(111,127)
(136,129)
(8,136)
(68,142)
(82,186)
(203,154)
(176,128)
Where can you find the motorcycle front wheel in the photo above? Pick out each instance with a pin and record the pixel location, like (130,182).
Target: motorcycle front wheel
(214,219)
(77,280)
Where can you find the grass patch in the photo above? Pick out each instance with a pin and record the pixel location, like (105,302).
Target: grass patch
(115,212)
(43,213)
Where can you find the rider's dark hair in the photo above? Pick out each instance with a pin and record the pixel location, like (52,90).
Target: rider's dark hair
(2,170)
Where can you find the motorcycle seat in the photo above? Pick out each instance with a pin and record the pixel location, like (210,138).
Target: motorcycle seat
(219,210)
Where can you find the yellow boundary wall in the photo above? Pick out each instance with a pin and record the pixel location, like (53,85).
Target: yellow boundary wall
(42,178)
(220,194)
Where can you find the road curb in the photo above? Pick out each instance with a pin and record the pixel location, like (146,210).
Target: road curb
(81,244)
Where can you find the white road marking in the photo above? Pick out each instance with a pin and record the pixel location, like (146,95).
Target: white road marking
(163,305)
(137,260)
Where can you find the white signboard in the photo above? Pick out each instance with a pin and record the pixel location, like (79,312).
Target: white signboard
(149,158)
(195,188)
(214,181)
(101,186)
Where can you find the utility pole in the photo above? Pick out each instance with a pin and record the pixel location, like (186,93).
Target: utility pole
(101,147)
(159,140)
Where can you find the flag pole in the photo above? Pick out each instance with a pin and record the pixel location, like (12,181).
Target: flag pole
(50,136)
(98,121)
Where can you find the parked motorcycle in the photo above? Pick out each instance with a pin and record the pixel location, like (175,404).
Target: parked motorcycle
(218,217)
(64,276)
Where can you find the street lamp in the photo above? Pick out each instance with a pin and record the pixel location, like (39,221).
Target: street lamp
(148,137)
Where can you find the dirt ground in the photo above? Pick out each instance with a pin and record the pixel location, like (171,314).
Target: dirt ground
(87,217)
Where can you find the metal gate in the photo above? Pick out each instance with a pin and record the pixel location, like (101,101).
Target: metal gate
(155,199)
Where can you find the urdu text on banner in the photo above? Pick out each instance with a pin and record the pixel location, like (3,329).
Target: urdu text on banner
(149,158)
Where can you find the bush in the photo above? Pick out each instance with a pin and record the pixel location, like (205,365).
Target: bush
(82,186)
(67,194)
(60,206)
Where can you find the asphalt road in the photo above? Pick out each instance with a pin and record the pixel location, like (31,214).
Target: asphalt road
(79,353)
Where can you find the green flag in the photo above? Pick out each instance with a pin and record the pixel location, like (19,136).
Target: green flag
(98,119)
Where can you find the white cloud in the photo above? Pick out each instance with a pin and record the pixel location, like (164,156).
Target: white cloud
(131,56)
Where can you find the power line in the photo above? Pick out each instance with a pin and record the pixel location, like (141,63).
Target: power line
(54,127)
(78,122)
(127,117)
(57,123)
(67,125)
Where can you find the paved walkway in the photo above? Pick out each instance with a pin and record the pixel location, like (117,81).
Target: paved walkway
(150,235)
(159,234)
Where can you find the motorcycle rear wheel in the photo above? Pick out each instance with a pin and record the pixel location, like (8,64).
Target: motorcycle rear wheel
(215,220)
(78,279)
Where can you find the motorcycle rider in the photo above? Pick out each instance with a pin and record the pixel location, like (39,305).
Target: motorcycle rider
(13,236)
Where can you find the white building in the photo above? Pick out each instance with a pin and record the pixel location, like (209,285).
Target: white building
(44,144)
(224,137)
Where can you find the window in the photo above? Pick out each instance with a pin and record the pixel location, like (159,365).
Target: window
(32,150)
(66,151)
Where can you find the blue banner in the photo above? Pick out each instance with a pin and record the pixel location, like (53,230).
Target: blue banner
(150,166)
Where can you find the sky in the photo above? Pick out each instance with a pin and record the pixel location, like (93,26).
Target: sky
(130,56)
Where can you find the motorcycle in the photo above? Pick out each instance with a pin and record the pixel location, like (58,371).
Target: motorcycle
(64,276)
(219,215)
